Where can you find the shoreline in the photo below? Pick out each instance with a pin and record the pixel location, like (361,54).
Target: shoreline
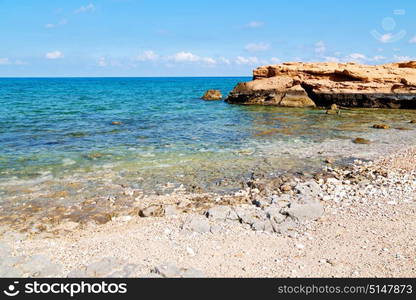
(108,194)
(369,213)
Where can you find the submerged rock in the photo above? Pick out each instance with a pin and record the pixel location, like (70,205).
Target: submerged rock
(212,95)
(361,141)
(324,84)
(381,126)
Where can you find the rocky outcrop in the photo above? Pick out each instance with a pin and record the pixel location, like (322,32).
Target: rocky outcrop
(212,95)
(323,84)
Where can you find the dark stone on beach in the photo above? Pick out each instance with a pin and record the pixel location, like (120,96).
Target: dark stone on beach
(329,161)
(361,141)
(413,122)
(212,95)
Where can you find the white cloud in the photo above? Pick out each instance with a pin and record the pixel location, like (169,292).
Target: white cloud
(208,60)
(386,38)
(255,24)
(87,8)
(356,57)
(402,57)
(60,23)
(253,47)
(378,58)
(54,55)
(413,40)
(224,60)
(188,57)
(102,62)
(4,61)
(275,60)
(241,60)
(320,47)
(332,59)
(7,61)
(148,55)
(185,57)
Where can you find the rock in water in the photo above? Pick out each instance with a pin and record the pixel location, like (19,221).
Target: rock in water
(381,126)
(212,95)
(324,84)
(361,141)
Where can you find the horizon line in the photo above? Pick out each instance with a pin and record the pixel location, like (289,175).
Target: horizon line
(49,77)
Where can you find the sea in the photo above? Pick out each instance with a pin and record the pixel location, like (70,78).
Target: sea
(65,140)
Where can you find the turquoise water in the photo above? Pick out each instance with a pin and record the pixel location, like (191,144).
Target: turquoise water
(63,127)
(62,156)
(46,123)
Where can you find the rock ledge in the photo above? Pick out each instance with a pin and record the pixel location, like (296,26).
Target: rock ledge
(323,84)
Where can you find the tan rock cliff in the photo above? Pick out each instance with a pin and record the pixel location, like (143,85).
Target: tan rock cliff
(322,84)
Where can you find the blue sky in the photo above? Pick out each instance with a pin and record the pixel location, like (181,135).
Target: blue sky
(197,38)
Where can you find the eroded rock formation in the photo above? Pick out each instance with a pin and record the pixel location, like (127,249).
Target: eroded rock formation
(323,84)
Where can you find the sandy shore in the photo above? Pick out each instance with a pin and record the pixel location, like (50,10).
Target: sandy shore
(367,230)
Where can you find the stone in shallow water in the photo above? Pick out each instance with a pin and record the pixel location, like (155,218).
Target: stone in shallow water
(381,126)
(212,95)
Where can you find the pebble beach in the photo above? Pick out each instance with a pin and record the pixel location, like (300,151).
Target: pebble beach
(355,221)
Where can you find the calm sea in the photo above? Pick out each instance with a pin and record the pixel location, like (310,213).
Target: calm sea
(62,128)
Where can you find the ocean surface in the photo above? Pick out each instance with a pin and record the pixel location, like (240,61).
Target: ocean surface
(56,134)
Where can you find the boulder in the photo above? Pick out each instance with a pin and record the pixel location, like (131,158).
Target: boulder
(212,95)
(197,223)
(324,84)
(305,212)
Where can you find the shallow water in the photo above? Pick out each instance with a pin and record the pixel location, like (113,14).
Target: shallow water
(58,143)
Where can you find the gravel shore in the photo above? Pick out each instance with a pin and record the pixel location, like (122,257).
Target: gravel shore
(345,222)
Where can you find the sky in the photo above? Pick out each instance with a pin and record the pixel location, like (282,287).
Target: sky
(77,38)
